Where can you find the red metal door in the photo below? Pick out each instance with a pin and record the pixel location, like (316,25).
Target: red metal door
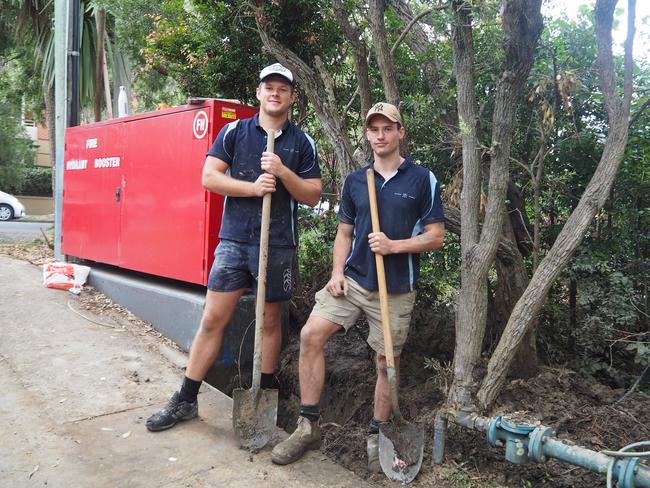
(163,209)
(92,192)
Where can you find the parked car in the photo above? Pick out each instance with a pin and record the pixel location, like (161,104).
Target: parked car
(10,207)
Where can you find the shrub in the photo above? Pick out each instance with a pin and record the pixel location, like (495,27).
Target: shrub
(317,233)
(36,182)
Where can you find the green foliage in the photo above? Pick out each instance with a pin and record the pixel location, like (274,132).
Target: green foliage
(641,351)
(315,251)
(610,323)
(16,150)
(34,181)
(439,274)
(212,49)
(317,233)
(15,147)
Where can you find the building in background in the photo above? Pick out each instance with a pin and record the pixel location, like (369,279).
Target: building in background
(39,135)
(40,204)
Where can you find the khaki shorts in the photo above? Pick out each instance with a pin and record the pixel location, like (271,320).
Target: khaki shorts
(345,311)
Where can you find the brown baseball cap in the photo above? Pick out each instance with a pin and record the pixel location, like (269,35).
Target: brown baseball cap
(387,110)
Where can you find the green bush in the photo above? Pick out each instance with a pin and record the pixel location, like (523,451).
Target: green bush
(609,340)
(16,149)
(34,181)
(317,233)
(38,182)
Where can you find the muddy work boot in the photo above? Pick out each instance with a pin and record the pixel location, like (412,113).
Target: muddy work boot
(304,438)
(175,411)
(372,449)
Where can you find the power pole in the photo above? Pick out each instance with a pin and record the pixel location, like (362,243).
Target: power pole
(66,101)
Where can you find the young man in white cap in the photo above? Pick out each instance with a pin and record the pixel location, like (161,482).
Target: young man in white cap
(412,222)
(239,167)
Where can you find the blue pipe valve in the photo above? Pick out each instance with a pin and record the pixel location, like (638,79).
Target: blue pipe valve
(536,440)
(525,441)
(514,435)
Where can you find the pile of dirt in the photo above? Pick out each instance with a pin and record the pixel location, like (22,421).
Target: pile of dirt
(580,410)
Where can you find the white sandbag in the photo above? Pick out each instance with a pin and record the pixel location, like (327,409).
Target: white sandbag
(65,276)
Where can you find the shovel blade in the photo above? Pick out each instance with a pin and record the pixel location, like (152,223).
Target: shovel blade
(254,417)
(401,449)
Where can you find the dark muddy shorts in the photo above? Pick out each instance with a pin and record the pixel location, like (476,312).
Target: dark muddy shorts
(236,266)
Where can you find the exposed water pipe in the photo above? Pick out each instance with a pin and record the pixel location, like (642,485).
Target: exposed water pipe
(529,442)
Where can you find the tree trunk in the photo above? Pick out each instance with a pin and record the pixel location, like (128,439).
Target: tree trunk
(472,302)
(319,90)
(522,25)
(593,199)
(100,21)
(512,280)
(360,55)
(384,59)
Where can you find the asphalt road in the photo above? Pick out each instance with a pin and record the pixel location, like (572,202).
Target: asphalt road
(16,230)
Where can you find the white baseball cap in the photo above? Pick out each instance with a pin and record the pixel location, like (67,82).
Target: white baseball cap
(277,69)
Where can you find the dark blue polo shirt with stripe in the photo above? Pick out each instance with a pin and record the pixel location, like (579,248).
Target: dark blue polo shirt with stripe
(241,144)
(407,201)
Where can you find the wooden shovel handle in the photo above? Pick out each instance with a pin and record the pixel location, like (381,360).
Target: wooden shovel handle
(381,274)
(260,300)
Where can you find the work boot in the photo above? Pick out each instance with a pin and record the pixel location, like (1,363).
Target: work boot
(372,448)
(175,411)
(305,437)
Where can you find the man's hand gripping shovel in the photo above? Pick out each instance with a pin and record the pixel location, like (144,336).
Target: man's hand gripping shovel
(401,444)
(255,411)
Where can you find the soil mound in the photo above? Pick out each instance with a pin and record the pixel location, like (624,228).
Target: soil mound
(580,410)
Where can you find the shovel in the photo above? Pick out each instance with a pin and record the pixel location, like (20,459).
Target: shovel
(401,444)
(255,411)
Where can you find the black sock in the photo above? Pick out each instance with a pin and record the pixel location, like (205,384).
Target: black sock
(373,428)
(269,382)
(310,412)
(190,390)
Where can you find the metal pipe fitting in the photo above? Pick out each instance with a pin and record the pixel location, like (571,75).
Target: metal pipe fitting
(439,437)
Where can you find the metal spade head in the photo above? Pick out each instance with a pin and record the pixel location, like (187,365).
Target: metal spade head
(254,416)
(401,449)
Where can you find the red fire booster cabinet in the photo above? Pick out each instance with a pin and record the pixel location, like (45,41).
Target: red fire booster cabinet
(132,194)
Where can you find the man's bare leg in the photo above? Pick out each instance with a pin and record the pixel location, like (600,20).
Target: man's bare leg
(219,307)
(311,366)
(383,407)
(313,337)
(272,339)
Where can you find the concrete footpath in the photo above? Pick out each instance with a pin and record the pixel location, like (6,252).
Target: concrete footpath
(75,396)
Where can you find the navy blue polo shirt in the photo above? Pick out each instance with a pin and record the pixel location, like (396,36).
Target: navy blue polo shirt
(241,144)
(407,201)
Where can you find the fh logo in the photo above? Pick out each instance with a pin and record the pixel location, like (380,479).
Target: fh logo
(200,125)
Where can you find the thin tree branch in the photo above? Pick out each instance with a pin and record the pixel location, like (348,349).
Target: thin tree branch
(639,112)
(410,25)
(629,61)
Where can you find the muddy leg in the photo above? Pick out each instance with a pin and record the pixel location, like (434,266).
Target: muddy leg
(272,339)
(313,337)
(383,406)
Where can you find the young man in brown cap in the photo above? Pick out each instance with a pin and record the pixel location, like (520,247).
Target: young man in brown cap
(412,222)
(239,167)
